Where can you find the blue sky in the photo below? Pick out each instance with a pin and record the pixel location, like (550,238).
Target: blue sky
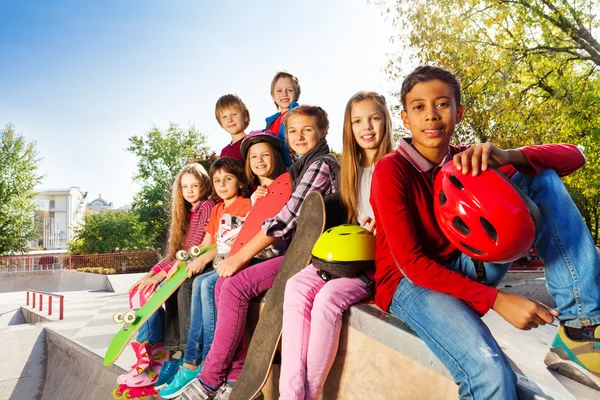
(81,77)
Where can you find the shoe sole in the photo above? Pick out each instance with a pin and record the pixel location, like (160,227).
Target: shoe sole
(558,360)
(177,393)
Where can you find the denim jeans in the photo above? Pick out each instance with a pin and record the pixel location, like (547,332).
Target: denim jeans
(203,317)
(154,329)
(456,334)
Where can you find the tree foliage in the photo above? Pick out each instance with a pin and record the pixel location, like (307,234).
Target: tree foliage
(161,154)
(18,177)
(528,69)
(109,232)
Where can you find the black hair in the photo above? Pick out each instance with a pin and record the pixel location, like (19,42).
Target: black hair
(427,73)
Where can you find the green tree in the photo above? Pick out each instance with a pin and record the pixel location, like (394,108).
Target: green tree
(18,177)
(161,154)
(109,232)
(528,69)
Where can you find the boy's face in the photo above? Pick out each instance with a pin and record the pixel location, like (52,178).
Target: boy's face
(284,93)
(431,115)
(232,120)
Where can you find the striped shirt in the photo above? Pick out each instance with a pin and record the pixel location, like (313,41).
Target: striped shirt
(198,221)
(318,178)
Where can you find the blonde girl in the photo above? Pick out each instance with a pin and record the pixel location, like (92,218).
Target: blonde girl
(313,308)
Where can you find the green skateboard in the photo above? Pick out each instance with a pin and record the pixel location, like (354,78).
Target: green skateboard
(267,335)
(134,321)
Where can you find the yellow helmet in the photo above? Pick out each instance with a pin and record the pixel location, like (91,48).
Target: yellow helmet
(344,250)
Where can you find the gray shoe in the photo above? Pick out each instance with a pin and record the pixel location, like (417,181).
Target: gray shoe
(224,392)
(195,391)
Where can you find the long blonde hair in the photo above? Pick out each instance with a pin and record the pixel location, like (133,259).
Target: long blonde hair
(353,154)
(181,209)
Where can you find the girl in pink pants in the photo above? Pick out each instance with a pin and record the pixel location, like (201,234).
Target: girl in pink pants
(315,169)
(313,308)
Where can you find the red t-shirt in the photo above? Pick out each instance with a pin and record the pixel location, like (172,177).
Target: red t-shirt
(409,240)
(233,150)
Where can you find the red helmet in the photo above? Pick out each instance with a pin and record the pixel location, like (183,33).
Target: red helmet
(486,216)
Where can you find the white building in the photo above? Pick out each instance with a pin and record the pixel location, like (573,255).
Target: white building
(99,205)
(65,209)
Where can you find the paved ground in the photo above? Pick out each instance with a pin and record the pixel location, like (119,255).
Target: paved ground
(88,329)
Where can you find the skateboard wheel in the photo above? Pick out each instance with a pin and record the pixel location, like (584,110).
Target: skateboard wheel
(195,251)
(182,255)
(129,318)
(118,317)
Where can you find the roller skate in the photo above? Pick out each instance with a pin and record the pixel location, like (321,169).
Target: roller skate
(142,354)
(139,384)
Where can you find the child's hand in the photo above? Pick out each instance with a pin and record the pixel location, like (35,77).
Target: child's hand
(522,312)
(260,192)
(195,267)
(369,224)
(229,267)
(150,284)
(141,282)
(172,271)
(479,157)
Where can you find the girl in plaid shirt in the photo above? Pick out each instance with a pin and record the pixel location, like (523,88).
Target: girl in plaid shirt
(190,212)
(315,169)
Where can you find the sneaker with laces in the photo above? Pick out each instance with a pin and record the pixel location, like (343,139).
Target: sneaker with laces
(182,379)
(197,391)
(167,373)
(575,353)
(224,391)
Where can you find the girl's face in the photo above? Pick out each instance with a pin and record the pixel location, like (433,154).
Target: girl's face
(368,124)
(227,186)
(233,120)
(190,188)
(261,158)
(302,133)
(284,93)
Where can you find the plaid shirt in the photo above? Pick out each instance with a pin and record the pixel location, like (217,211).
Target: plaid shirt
(318,178)
(198,221)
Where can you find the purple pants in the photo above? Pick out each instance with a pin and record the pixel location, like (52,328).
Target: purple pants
(227,354)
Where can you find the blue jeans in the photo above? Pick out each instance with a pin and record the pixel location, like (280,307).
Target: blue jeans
(456,334)
(203,317)
(154,329)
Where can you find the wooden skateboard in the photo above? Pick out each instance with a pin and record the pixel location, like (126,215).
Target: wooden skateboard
(267,335)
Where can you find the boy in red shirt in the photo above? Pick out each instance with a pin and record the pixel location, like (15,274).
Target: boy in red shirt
(422,278)
(233,116)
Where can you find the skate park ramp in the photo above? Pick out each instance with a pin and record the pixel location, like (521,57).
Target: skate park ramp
(74,372)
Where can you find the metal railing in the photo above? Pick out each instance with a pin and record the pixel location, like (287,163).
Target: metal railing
(61,304)
(118,262)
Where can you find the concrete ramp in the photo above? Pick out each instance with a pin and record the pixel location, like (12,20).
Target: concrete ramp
(74,372)
(51,281)
(120,283)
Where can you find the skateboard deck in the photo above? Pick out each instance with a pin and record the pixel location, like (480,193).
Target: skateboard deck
(142,315)
(267,334)
(280,191)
